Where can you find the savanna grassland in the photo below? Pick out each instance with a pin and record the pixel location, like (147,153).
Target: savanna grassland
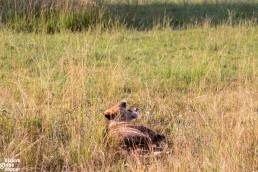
(191,68)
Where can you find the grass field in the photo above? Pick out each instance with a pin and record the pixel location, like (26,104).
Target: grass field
(193,78)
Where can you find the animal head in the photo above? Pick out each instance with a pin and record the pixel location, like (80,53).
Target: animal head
(119,112)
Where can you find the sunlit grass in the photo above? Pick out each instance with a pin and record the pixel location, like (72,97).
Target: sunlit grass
(193,79)
(197,86)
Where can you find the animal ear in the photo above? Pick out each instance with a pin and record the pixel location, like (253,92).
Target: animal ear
(109,116)
(122,104)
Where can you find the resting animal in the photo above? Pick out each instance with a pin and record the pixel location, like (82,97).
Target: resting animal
(129,136)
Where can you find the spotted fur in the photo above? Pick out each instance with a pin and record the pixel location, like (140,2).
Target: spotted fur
(128,135)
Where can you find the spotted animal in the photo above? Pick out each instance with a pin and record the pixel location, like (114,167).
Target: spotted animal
(121,132)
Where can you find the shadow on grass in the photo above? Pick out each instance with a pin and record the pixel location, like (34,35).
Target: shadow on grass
(179,15)
(136,16)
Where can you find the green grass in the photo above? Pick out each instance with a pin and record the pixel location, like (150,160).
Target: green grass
(196,83)
(79,15)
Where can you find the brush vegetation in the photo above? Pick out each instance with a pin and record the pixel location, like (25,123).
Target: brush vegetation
(193,77)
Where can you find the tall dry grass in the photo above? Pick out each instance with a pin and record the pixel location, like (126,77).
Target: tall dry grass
(193,78)
(49,15)
(197,86)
